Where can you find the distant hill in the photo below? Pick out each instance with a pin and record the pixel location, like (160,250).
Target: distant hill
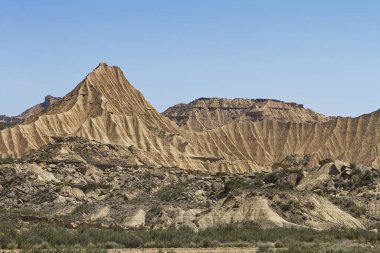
(227,135)
(9,121)
(208,113)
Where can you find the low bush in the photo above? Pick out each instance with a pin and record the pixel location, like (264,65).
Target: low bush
(271,178)
(4,125)
(234,185)
(171,192)
(46,235)
(348,205)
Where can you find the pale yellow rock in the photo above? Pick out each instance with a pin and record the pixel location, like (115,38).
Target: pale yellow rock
(100,213)
(255,210)
(73,192)
(188,218)
(325,213)
(106,108)
(209,113)
(42,175)
(137,220)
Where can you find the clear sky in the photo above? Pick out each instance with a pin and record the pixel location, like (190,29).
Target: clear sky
(324,54)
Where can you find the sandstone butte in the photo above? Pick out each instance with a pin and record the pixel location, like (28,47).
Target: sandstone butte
(240,135)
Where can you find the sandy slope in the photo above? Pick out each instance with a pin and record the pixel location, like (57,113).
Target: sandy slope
(105,107)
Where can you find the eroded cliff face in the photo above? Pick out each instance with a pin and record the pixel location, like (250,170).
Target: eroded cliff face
(269,142)
(34,110)
(209,113)
(103,107)
(238,135)
(9,121)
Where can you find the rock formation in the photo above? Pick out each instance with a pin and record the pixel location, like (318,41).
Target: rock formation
(49,100)
(209,113)
(9,121)
(104,185)
(4,118)
(6,121)
(102,155)
(238,135)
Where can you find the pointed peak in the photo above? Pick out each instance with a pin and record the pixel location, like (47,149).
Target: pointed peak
(101,69)
(105,67)
(102,64)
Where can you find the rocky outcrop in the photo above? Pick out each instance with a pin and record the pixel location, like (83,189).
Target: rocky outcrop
(6,121)
(4,118)
(49,100)
(325,215)
(209,113)
(67,179)
(269,142)
(9,121)
(103,107)
(106,108)
(255,210)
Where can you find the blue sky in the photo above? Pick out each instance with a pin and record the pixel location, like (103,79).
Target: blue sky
(324,54)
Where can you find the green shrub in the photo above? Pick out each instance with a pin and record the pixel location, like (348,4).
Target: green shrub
(279,244)
(288,205)
(271,178)
(112,245)
(10,160)
(348,205)
(4,125)
(285,206)
(366,178)
(286,186)
(47,236)
(171,192)
(259,180)
(233,185)
(12,245)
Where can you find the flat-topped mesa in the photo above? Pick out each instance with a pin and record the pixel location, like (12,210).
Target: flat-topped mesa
(208,113)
